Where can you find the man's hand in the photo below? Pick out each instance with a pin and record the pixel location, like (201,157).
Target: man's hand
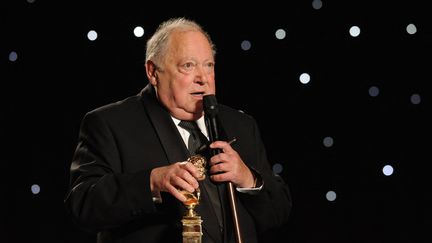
(228,166)
(173,178)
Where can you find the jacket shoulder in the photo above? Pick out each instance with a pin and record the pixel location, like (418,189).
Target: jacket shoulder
(118,108)
(225,110)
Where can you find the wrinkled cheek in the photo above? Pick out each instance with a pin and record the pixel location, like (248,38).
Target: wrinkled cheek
(212,87)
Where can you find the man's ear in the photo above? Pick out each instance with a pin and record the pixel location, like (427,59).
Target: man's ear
(151,72)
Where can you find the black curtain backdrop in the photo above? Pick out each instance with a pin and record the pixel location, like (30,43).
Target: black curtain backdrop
(59,75)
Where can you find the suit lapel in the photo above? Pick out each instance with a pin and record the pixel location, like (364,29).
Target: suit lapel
(176,151)
(171,141)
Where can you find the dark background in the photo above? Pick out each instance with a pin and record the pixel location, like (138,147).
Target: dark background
(59,75)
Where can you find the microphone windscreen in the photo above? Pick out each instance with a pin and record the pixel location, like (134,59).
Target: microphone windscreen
(210,105)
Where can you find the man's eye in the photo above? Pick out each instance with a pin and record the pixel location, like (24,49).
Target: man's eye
(188,65)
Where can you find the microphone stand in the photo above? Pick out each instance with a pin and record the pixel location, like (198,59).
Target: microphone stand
(233,204)
(211,123)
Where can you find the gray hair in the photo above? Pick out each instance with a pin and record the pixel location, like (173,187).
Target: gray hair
(157,44)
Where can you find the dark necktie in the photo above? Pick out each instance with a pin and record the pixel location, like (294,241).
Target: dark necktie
(196,137)
(196,140)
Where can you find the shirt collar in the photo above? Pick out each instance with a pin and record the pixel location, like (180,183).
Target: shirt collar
(200,122)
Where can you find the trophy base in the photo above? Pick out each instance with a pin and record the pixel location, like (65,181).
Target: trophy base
(192,231)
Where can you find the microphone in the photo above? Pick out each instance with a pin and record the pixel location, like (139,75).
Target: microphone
(210,116)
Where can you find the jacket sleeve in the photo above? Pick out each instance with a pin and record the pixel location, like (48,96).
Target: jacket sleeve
(100,196)
(271,206)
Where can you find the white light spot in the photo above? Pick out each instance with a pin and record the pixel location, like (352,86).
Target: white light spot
(304,78)
(13,56)
(92,35)
(331,196)
(35,189)
(30,1)
(280,34)
(316,4)
(328,141)
(411,29)
(374,91)
(354,31)
(138,31)
(415,99)
(277,168)
(388,170)
(246,45)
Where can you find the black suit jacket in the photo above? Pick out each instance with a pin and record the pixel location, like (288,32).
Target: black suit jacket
(119,144)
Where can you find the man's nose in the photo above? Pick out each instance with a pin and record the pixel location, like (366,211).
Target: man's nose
(202,75)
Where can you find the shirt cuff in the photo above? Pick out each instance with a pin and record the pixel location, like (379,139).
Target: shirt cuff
(258,184)
(157,199)
(252,190)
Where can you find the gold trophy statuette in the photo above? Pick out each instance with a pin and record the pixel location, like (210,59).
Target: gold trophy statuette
(191,221)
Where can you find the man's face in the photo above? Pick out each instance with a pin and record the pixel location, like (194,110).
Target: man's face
(186,74)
